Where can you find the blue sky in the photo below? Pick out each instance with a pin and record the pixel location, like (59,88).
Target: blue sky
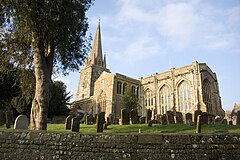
(143,37)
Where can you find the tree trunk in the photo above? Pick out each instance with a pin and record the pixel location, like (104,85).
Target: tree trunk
(43,67)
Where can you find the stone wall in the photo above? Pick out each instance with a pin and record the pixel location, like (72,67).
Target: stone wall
(45,145)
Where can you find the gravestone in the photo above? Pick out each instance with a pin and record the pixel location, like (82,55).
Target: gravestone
(111,119)
(204,117)
(149,115)
(89,119)
(230,122)
(68,123)
(134,116)
(2,117)
(224,121)
(164,119)
(21,122)
(142,120)
(105,126)
(9,119)
(170,117)
(196,113)
(75,124)
(150,123)
(125,119)
(179,118)
(100,121)
(238,118)
(218,120)
(199,124)
(117,120)
(158,119)
(188,118)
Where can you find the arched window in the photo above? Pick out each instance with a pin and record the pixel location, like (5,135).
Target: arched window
(148,98)
(101,102)
(207,95)
(164,99)
(184,97)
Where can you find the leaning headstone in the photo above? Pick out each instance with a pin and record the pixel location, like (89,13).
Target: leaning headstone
(68,123)
(75,124)
(142,120)
(199,124)
(150,123)
(204,117)
(89,119)
(100,121)
(125,119)
(134,116)
(149,115)
(105,126)
(196,113)
(9,117)
(218,120)
(224,121)
(21,122)
(238,118)
(179,118)
(170,117)
(2,117)
(188,118)
(164,119)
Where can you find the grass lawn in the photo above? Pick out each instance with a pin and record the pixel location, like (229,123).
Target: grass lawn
(173,128)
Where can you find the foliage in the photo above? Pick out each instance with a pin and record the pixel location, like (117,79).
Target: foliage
(130,100)
(59,99)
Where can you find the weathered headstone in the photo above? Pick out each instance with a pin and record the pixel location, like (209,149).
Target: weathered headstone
(164,119)
(199,124)
(105,126)
(149,115)
(170,117)
(9,119)
(224,121)
(179,118)
(21,122)
(142,120)
(230,122)
(2,117)
(188,118)
(111,119)
(218,120)
(68,123)
(134,116)
(158,119)
(150,123)
(196,113)
(89,119)
(108,121)
(238,118)
(100,121)
(204,117)
(125,119)
(75,124)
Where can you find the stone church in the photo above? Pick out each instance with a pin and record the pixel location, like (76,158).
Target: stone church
(185,89)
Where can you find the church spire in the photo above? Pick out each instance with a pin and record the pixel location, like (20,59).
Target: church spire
(96,53)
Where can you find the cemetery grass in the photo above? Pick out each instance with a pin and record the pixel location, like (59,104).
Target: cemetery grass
(173,128)
(156,128)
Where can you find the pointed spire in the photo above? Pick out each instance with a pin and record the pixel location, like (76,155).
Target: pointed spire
(96,53)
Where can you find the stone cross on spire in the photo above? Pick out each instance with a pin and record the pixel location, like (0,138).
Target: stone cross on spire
(96,57)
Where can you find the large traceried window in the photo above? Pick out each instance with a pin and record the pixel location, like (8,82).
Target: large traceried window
(207,95)
(184,97)
(148,98)
(101,103)
(164,99)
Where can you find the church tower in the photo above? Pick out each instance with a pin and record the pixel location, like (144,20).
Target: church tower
(93,68)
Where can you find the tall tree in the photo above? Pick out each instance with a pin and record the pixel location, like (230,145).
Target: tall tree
(130,100)
(51,34)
